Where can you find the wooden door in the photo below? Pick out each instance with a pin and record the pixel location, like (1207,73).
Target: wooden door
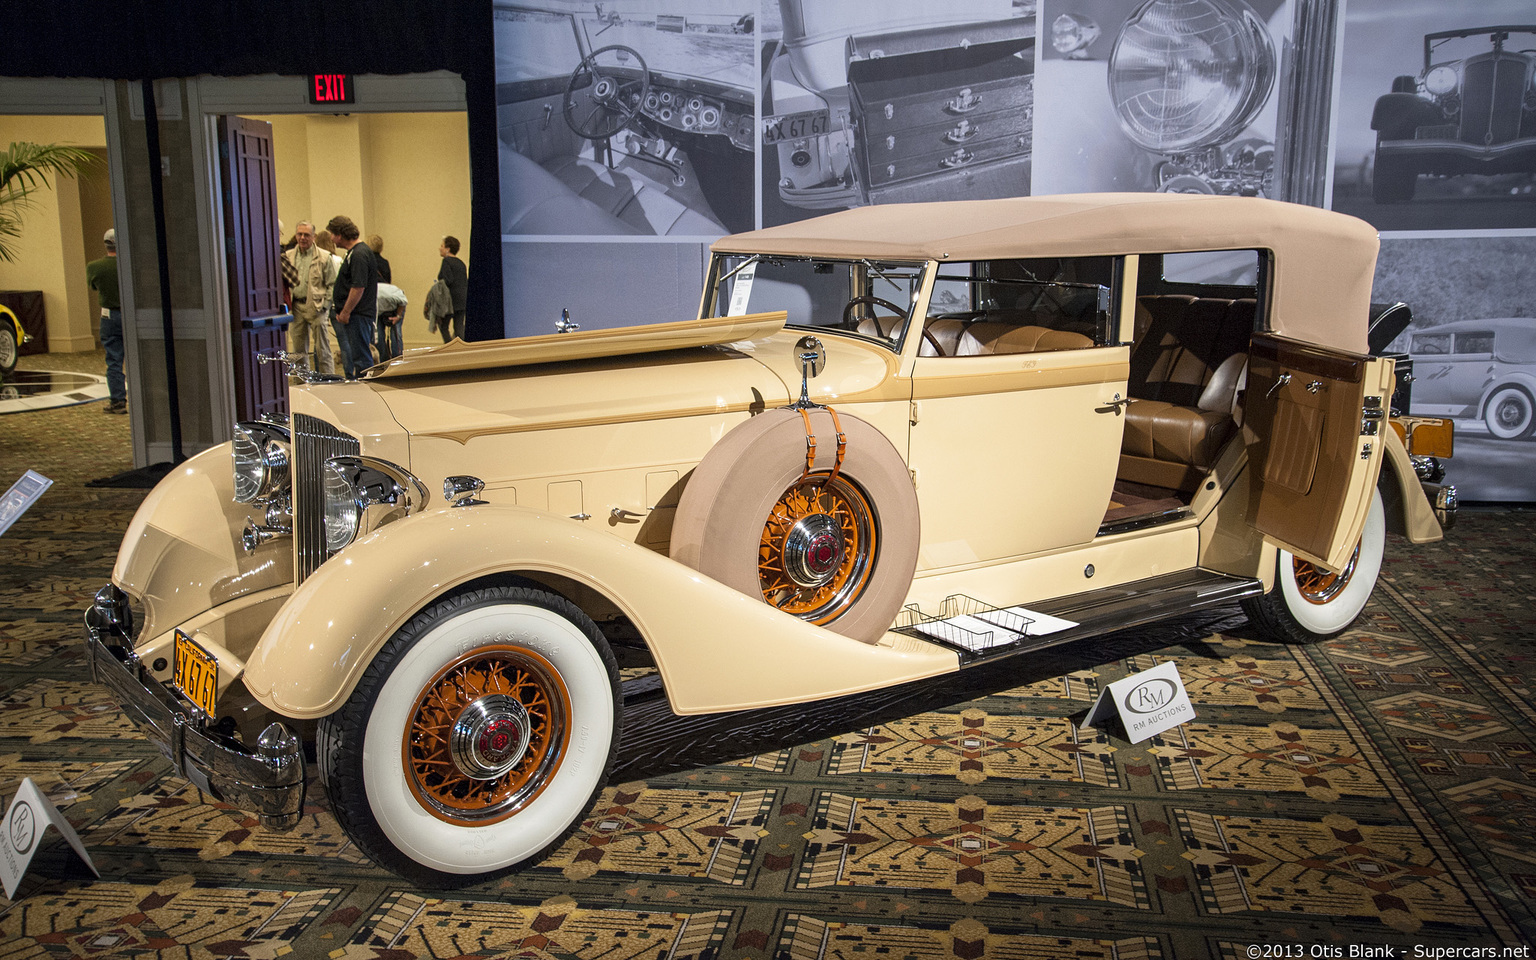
(257,315)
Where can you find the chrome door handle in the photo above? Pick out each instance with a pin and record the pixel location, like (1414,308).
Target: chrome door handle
(1284,379)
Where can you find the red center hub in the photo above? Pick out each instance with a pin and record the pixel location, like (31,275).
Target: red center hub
(498,740)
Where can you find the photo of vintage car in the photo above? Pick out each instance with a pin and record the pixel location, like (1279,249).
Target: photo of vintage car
(1470,110)
(925,102)
(618,120)
(896,443)
(1479,370)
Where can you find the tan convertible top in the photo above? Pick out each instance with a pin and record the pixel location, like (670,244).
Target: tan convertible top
(1324,261)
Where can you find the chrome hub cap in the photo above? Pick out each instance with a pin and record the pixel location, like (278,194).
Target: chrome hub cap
(813,550)
(490,737)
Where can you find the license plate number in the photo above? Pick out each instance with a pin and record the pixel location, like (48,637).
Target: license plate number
(794,126)
(197,673)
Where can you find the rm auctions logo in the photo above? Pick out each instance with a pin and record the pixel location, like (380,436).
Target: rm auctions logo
(23,827)
(1150,695)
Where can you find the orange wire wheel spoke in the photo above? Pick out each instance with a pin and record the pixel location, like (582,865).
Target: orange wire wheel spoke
(487,734)
(1317,585)
(816,554)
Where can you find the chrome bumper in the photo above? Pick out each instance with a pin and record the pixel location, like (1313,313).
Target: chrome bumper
(1442,497)
(267,781)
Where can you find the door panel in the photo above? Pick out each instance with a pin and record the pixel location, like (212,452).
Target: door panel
(1312,418)
(1014,454)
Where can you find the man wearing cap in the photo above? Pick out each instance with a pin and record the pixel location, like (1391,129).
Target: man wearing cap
(101,276)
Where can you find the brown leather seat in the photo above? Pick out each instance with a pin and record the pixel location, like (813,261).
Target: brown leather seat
(1187,371)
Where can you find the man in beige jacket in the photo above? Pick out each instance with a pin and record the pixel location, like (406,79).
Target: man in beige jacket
(309,333)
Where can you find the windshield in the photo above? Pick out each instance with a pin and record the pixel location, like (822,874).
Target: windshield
(711,42)
(1451,50)
(869,297)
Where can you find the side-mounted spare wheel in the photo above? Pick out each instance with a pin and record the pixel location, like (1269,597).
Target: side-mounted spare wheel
(1308,603)
(833,545)
(477,739)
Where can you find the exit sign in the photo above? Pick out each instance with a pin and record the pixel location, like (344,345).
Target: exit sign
(330,88)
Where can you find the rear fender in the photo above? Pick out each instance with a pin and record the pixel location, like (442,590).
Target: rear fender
(716,649)
(1409,512)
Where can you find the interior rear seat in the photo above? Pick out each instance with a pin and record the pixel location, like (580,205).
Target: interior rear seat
(1187,371)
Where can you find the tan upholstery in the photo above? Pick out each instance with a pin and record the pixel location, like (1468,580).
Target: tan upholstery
(986,337)
(1186,374)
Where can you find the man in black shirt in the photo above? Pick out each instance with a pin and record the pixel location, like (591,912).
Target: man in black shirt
(456,276)
(355,297)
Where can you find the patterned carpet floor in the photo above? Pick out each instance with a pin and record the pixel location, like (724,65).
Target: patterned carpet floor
(1374,792)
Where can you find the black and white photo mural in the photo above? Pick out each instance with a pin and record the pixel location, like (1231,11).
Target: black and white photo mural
(1171,95)
(1434,142)
(1436,120)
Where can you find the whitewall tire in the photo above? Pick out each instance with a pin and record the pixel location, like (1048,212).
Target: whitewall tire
(477,739)
(1307,603)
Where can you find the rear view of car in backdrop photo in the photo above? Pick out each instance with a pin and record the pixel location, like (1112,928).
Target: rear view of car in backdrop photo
(897,442)
(1470,110)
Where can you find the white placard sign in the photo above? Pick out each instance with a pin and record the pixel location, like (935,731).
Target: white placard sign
(23,494)
(741,290)
(1148,703)
(30,815)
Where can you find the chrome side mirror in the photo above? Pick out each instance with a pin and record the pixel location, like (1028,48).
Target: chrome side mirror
(813,360)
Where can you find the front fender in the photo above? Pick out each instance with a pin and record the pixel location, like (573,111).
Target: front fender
(181,555)
(716,649)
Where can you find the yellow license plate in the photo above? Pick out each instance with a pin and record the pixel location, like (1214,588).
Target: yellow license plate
(197,673)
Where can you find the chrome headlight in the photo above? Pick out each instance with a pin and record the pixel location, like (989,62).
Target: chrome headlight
(364,493)
(1189,73)
(1441,81)
(259,457)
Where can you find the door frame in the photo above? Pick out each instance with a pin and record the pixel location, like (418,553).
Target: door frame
(440,91)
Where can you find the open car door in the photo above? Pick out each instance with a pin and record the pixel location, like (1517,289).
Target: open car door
(1313,419)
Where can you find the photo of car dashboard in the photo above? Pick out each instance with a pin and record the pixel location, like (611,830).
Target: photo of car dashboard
(675,106)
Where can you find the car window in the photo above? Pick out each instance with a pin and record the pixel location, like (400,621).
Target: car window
(1431,343)
(1233,268)
(1019,306)
(872,298)
(1480,342)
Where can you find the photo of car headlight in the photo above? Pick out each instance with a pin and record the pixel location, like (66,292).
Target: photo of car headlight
(1189,73)
(1441,81)
(364,493)
(259,458)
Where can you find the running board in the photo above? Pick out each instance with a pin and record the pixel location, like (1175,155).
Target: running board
(1100,612)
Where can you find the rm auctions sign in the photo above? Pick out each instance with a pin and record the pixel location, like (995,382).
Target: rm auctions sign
(1148,702)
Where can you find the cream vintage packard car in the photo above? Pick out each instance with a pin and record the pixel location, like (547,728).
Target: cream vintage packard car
(899,441)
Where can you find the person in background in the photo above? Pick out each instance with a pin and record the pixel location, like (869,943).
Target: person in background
(101,276)
(376,244)
(456,275)
(354,296)
(392,305)
(381,336)
(316,274)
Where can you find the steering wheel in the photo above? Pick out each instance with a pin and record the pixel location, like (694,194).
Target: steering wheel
(608,96)
(849,324)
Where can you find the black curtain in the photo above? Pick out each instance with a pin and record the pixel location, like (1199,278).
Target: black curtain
(129,40)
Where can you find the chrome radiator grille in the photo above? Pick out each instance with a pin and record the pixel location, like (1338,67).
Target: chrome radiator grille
(313,441)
